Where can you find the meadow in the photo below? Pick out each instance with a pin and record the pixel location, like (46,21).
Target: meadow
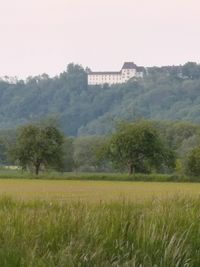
(94,191)
(66,223)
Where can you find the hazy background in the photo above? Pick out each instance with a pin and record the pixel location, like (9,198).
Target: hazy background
(40,36)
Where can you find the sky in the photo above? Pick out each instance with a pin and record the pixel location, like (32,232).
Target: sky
(43,36)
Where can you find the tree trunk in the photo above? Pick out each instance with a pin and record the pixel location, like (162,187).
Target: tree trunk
(131,168)
(37,168)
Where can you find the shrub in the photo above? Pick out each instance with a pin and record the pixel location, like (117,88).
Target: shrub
(193,162)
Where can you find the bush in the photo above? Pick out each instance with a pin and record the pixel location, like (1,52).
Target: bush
(193,162)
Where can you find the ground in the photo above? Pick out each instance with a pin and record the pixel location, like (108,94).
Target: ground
(94,191)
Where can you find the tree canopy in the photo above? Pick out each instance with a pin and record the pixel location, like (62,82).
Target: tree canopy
(39,146)
(193,162)
(90,153)
(137,146)
(166,93)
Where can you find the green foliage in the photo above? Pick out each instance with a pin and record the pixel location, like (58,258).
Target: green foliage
(6,173)
(193,162)
(87,153)
(178,132)
(179,167)
(68,154)
(39,145)
(138,147)
(90,153)
(191,70)
(7,139)
(2,152)
(166,93)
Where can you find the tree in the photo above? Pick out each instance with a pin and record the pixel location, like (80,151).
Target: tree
(7,140)
(38,146)
(68,149)
(137,146)
(3,157)
(193,162)
(86,153)
(191,70)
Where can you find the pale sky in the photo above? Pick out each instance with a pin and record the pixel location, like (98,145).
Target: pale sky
(43,36)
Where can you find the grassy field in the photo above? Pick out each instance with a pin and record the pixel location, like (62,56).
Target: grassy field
(163,233)
(50,223)
(94,191)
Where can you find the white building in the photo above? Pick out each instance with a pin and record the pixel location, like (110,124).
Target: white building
(128,71)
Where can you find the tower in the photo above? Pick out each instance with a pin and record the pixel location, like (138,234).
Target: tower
(128,71)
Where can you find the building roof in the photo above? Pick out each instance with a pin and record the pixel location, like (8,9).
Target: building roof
(105,73)
(129,65)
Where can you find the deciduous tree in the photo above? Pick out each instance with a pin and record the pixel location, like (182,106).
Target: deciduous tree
(193,162)
(38,146)
(137,146)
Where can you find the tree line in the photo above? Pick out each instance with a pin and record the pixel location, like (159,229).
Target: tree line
(165,93)
(135,147)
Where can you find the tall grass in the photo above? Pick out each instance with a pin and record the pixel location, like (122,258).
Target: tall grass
(163,233)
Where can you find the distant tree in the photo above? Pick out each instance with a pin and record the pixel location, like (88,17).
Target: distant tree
(137,146)
(191,70)
(164,94)
(87,153)
(178,133)
(193,162)
(68,150)
(38,146)
(3,157)
(75,77)
(7,140)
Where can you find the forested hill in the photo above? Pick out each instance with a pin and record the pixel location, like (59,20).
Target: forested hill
(167,93)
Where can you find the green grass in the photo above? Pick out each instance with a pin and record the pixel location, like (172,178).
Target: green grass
(5,174)
(164,233)
(71,223)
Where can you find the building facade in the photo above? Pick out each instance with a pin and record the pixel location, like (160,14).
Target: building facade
(128,71)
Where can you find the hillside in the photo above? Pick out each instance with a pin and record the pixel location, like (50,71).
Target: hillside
(167,93)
